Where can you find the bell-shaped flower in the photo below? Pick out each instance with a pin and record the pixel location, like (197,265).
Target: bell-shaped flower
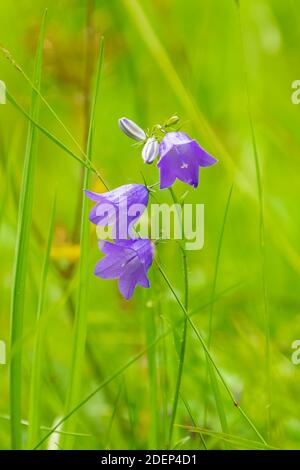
(119,208)
(128,261)
(181,157)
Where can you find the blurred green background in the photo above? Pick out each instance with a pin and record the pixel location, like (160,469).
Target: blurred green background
(161,57)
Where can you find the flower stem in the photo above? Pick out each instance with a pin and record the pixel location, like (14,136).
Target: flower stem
(208,354)
(184,334)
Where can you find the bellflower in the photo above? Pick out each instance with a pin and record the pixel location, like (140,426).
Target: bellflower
(181,157)
(119,208)
(128,261)
(131,129)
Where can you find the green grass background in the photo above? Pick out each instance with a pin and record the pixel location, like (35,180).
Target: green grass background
(161,57)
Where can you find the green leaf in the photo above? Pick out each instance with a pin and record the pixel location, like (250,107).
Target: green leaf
(80,326)
(22,256)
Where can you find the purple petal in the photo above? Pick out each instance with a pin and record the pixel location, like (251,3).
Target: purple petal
(167,173)
(114,263)
(145,251)
(204,159)
(103,214)
(128,281)
(114,206)
(181,157)
(128,261)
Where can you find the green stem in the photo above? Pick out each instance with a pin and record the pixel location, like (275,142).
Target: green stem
(152,367)
(182,349)
(80,323)
(261,239)
(37,362)
(184,332)
(21,257)
(210,372)
(208,354)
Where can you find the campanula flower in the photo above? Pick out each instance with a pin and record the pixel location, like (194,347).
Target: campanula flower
(119,208)
(150,150)
(181,157)
(128,261)
(131,129)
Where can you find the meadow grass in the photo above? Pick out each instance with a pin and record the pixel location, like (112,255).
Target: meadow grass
(22,259)
(80,323)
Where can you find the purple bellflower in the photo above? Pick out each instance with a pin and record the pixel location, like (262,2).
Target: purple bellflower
(128,261)
(181,157)
(119,208)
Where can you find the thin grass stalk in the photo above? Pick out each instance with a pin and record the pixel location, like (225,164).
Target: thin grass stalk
(208,354)
(210,372)
(80,325)
(7,184)
(22,257)
(188,409)
(182,349)
(38,354)
(150,328)
(235,441)
(184,332)
(55,140)
(262,247)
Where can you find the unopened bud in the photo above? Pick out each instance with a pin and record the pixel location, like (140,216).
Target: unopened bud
(131,129)
(150,150)
(172,121)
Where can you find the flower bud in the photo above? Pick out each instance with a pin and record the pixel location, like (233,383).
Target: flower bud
(131,129)
(150,150)
(2,92)
(172,121)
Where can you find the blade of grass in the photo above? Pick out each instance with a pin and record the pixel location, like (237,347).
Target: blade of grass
(114,412)
(80,326)
(188,408)
(116,374)
(217,394)
(210,371)
(208,354)
(233,440)
(150,328)
(37,90)
(182,349)
(262,237)
(54,139)
(22,256)
(216,270)
(184,331)
(24,422)
(37,361)
(7,179)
